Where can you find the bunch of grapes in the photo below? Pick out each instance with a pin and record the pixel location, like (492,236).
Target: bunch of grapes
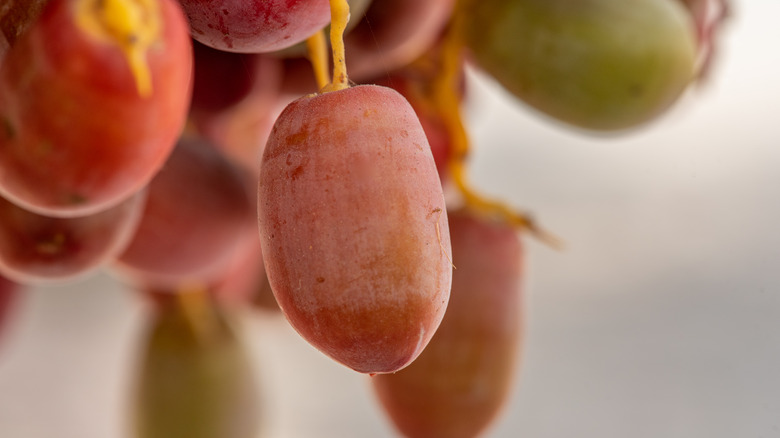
(307,156)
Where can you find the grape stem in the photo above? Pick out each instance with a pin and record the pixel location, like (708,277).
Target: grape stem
(195,305)
(318,56)
(131,25)
(446,98)
(339,17)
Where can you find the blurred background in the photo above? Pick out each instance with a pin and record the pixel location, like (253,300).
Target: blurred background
(661,318)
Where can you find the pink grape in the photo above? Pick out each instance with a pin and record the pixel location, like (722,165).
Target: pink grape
(460,383)
(353,228)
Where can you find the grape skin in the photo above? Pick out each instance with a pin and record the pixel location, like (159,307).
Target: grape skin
(603,65)
(193,383)
(76,135)
(460,383)
(37,249)
(195,223)
(255,26)
(353,228)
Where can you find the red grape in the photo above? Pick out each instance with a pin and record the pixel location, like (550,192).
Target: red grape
(38,249)
(255,26)
(196,219)
(353,227)
(461,381)
(86,118)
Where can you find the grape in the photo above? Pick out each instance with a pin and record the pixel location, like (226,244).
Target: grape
(194,381)
(40,249)
(599,65)
(394,33)
(86,119)
(459,384)
(352,227)
(255,26)
(344,228)
(197,216)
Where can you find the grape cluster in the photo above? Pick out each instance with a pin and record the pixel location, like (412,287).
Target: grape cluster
(202,151)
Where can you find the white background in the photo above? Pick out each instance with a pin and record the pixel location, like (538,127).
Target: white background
(660,319)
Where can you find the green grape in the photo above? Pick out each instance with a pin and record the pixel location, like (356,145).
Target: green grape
(195,379)
(596,64)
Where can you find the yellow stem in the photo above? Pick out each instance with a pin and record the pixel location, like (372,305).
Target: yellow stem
(446,96)
(318,56)
(195,304)
(132,25)
(339,17)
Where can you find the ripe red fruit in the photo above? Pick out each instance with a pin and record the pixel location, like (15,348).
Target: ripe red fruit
(459,384)
(89,110)
(353,228)
(255,26)
(41,249)
(197,217)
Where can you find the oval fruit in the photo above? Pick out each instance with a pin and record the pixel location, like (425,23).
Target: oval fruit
(353,228)
(255,26)
(88,114)
(194,380)
(38,249)
(598,64)
(197,218)
(459,384)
